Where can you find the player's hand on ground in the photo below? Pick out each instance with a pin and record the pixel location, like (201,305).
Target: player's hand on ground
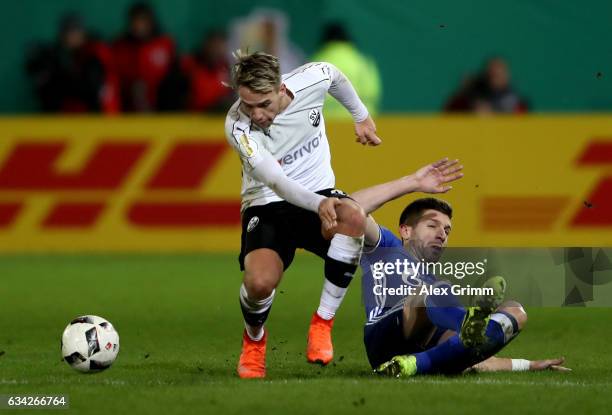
(327,212)
(366,132)
(549,364)
(435,177)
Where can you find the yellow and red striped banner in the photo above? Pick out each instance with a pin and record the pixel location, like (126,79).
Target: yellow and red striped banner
(172,183)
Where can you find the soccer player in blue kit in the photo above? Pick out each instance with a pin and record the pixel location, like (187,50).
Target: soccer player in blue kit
(429,331)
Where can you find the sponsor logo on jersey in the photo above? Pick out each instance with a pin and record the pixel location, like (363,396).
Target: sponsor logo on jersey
(302,151)
(315,117)
(252,223)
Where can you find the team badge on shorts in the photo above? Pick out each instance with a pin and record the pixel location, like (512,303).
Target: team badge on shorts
(252,223)
(338,192)
(315,117)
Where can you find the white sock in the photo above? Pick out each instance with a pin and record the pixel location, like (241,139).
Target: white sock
(254,333)
(331,298)
(254,307)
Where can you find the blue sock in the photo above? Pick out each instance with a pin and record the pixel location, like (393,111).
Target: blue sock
(453,357)
(445,311)
(495,334)
(432,360)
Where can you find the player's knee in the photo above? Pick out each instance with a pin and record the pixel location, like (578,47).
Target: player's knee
(351,219)
(516,310)
(263,271)
(259,282)
(258,288)
(521,316)
(414,301)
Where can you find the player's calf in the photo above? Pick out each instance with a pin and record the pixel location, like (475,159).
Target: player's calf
(340,265)
(505,324)
(342,257)
(263,271)
(516,310)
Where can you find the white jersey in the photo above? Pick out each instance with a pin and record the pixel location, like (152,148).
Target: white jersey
(296,138)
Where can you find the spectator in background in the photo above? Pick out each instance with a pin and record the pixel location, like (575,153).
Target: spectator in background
(173,89)
(266,30)
(196,82)
(338,49)
(488,92)
(143,57)
(74,74)
(208,69)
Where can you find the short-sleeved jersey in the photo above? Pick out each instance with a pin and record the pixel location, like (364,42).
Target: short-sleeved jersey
(376,291)
(296,138)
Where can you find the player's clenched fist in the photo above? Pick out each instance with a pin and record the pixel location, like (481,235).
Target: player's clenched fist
(327,212)
(366,132)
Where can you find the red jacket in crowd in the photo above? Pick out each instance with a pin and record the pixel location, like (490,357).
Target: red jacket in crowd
(206,84)
(140,66)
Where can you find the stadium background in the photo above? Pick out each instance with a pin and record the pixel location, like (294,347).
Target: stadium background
(135,217)
(423,48)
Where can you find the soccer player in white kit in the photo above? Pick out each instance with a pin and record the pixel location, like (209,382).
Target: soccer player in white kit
(288,195)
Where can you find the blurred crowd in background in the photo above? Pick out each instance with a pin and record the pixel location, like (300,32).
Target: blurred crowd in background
(141,70)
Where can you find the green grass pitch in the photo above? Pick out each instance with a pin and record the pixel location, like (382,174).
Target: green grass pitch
(180,328)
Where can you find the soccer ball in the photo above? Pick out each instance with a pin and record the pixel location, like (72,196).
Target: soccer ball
(90,344)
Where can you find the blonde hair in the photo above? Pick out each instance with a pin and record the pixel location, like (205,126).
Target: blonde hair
(258,71)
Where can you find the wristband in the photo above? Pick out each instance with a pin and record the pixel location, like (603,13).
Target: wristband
(520,365)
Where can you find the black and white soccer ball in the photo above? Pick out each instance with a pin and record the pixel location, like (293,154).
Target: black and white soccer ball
(90,344)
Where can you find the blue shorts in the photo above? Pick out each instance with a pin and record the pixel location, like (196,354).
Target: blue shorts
(385,339)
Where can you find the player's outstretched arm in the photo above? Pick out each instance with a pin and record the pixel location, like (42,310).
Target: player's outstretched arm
(502,364)
(432,178)
(343,91)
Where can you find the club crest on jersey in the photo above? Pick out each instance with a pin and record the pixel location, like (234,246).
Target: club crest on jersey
(315,117)
(252,223)
(248,146)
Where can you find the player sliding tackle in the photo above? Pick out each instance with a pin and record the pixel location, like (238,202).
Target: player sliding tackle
(430,332)
(288,195)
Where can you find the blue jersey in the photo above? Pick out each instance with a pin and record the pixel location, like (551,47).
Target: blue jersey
(383,290)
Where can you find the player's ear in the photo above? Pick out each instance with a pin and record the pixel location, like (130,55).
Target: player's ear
(405,231)
(282,90)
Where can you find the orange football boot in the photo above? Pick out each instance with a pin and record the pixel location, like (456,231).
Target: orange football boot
(252,363)
(320,349)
